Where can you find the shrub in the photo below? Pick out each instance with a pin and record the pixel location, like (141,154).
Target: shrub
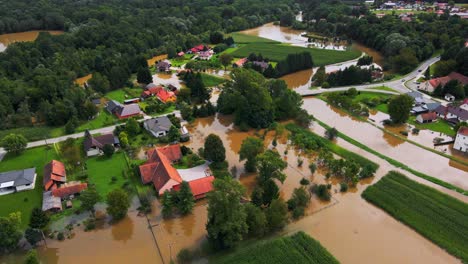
(304,181)
(322,191)
(60,236)
(184,256)
(343,187)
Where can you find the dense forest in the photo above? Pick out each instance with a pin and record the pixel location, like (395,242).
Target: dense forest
(404,44)
(113,38)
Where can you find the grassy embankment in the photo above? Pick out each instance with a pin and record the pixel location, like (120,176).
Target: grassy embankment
(435,215)
(298,248)
(309,136)
(397,163)
(25,201)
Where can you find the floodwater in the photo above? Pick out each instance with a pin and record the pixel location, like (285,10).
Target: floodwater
(407,153)
(301,79)
(168,78)
(156,58)
(82,80)
(378,58)
(7,39)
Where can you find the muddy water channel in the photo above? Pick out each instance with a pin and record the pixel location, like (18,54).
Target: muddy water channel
(7,39)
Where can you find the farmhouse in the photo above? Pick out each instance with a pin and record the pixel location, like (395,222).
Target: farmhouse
(93,145)
(68,189)
(432,84)
(159,126)
(426,117)
(164,66)
(205,55)
(160,92)
(54,175)
(159,171)
(123,111)
(461,140)
(16,181)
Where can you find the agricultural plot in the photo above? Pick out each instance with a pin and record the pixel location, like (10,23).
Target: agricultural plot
(279,52)
(299,248)
(435,215)
(244,38)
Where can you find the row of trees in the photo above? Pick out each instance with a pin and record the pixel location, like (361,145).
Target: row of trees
(453,87)
(348,76)
(258,102)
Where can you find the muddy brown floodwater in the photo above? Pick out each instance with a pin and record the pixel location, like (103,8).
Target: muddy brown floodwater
(7,39)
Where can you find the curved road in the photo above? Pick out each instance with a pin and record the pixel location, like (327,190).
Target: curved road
(397,85)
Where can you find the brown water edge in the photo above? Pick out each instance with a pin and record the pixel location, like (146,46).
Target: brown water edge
(168,78)
(156,58)
(376,55)
(407,153)
(82,80)
(300,79)
(7,39)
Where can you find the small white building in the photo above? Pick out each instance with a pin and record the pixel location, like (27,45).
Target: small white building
(449,97)
(461,140)
(16,181)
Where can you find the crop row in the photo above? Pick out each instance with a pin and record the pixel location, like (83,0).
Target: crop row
(435,215)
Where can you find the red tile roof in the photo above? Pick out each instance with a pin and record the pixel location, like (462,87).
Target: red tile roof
(429,116)
(172,152)
(158,169)
(445,79)
(463,131)
(200,187)
(69,189)
(54,172)
(241,62)
(165,95)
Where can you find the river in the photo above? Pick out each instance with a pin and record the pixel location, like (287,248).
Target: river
(7,39)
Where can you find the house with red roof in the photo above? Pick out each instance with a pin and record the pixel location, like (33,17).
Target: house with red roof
(54,175)
(240,63)
(166,96)
(426,117)
(432,84)
(69,189)
(158,170)
(461,140)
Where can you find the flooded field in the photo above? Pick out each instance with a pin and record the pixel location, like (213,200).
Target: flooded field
(153,60)
(7,39)
(81,81)
(407,153)
(167,78)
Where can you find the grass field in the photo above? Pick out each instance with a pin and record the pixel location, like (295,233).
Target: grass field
(278,52)
(439,126)
(244,38)
(34,133)
(435,215)
(298,248)
(27,200)
(210,80)
(101,170)
(103,119)
(120,95)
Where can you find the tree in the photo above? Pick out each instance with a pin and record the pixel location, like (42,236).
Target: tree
(216,37)
(33,236)
(71,125)
(277,215)
(38,219)
(303,118)
(14,143)
(31,257)
(108,150)
(185,199)
(123,138)
(173,134)
(167,204)
(144,76)
(225,59)
(270,166)
(99,83)
(88,199)
(214,149)
(256,220)
(132,127)
(10,233)
(399,108)
(186,111)
(117,204)
(320,76)
(249,150)
(427,73)
(226,224)
(331,133)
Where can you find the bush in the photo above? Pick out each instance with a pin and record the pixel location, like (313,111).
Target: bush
(304,181)
(60,236)
(343,187)
(322,191)
(298,212)
(184,256)
(90,224)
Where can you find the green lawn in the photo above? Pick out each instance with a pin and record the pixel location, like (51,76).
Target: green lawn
(179,61)
(278,52)
(211,80)
(103,119)
(25,201)
(122,94)
(35,133)
(382,108)
(438,126)
(101,170)
(244,38)
(298,248)
(435,215)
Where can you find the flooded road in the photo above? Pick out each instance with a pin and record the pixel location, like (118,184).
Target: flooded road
(407,153)
(7,39)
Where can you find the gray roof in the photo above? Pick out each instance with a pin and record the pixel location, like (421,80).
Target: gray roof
(50,202)
(19,177)
(415,94)
(112,106)
(130,109)
(432,106)
(158,124)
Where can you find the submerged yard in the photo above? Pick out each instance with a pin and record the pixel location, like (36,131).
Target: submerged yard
(25,201)
(435,215)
